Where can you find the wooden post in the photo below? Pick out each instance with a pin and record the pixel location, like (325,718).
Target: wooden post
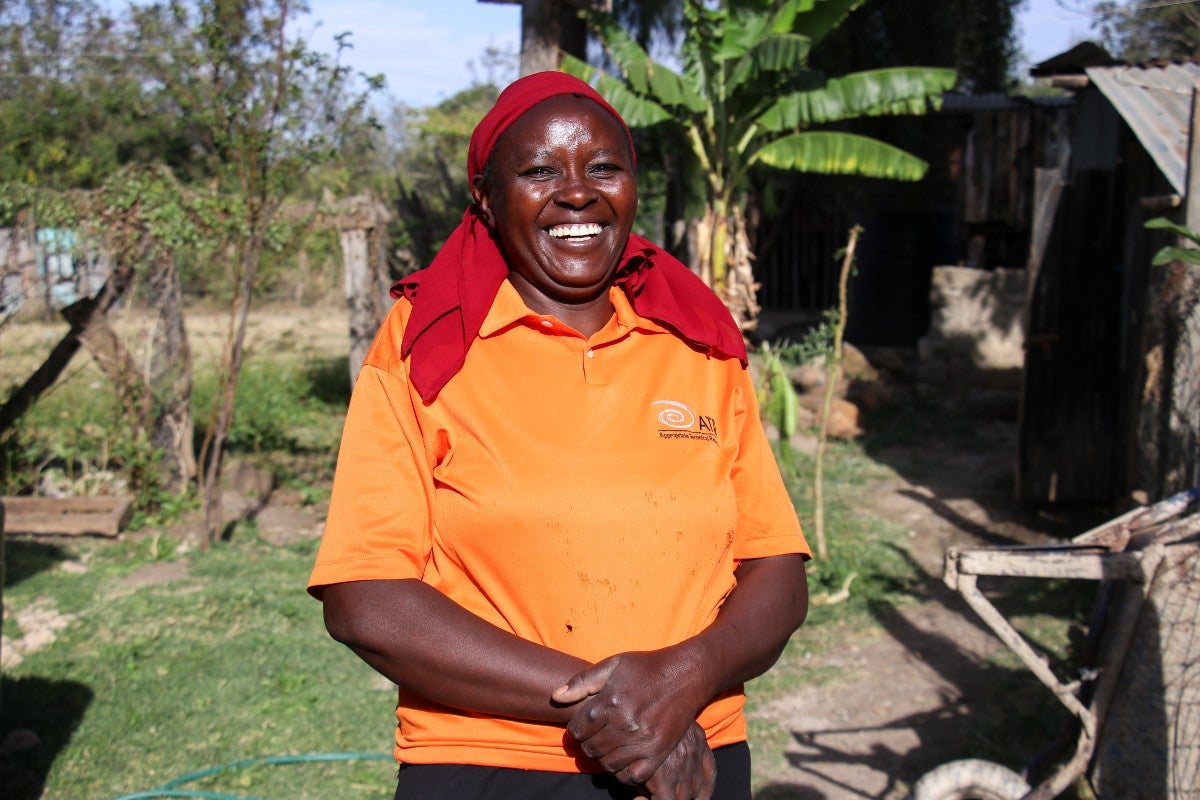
(1192,214)
(1186,392)
(365,278)
(357,275)
(1167,437)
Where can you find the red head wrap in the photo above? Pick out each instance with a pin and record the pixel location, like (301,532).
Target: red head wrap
(452,296)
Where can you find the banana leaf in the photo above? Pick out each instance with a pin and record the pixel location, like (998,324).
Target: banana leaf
(894,91)
(835,153)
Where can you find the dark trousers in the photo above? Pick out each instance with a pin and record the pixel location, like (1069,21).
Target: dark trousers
(471,782)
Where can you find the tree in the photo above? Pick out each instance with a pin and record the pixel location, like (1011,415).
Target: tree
(746,98)
(72,109)
(430,191)
(141,217)
(263,110)
(1137,30)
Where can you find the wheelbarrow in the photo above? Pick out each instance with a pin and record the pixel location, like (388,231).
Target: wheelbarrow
(1136,699)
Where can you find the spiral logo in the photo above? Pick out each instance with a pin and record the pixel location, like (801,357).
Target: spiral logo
(675,415)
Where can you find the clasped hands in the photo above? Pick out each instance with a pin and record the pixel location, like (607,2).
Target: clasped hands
(638,719)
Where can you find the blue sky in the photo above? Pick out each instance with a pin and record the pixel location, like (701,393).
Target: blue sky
(423,47)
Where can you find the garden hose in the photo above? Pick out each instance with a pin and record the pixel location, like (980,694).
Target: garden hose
(170,788)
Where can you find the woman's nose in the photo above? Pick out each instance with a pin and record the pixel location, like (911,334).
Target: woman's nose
(576,190)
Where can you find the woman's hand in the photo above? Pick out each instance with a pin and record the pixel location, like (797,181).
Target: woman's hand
(689,771)
(638,708)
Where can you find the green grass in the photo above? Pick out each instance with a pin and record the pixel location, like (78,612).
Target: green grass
(149,683)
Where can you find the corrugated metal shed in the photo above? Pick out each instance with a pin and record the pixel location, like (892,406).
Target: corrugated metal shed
(1156,102)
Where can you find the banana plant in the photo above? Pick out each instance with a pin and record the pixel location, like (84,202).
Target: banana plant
(745,97)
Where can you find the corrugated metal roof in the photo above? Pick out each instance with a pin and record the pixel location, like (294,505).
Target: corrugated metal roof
(1156,101)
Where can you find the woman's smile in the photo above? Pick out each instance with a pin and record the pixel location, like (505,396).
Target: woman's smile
(575,232)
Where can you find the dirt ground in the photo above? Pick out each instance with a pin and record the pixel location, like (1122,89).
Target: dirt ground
(911,694)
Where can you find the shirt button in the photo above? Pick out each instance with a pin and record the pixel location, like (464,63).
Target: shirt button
(547,323)
(591,353)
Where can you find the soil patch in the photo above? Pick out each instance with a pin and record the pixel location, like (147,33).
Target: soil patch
(911,696)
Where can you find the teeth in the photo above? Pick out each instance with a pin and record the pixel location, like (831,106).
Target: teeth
(570,231)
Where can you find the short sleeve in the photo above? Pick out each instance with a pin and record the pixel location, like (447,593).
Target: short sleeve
(379,522)
(767,522)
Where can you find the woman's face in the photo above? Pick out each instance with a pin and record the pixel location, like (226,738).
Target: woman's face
(561,196)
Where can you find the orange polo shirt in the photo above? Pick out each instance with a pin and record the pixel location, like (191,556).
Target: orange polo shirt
(591,495)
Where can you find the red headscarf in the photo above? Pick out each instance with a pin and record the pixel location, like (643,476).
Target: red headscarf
(452,296)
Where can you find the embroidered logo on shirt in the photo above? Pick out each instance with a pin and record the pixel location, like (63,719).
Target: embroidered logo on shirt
(680,422)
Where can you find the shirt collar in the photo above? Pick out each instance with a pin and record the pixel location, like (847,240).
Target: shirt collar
(509,309)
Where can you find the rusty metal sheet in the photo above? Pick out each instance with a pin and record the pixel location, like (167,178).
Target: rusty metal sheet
(1156,102)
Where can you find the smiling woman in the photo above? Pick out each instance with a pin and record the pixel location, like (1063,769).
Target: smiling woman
(556,523)
(560,193)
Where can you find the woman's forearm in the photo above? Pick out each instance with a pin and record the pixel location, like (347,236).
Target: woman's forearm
(428,644)
(754,624)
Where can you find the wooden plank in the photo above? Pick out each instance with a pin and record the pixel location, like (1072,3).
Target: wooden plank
(67,516)
(1051,564)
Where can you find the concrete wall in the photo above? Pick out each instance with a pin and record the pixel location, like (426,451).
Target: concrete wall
(976,323)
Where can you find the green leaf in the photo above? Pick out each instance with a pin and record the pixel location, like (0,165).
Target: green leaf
(1162,223)
(832,153)
(824,17)
(744,29)
(899,90)
(638,112)
(778,53)
(644,76)
(781,405)
(625,52)
(1188,255)
(672,90)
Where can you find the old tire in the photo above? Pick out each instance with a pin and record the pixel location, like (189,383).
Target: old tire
(970,779)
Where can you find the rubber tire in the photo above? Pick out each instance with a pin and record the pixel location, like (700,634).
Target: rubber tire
(970,779)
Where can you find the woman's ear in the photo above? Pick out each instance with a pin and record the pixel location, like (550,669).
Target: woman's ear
(483,203)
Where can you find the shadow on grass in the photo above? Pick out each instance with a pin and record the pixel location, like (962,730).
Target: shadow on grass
(24,558)
(38,717)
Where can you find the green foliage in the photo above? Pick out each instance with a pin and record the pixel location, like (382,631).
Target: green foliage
(816,343)
(778,402)
(283,407)
(72,108)
(289,412)
(431,189)
(1139,31)
(777,399)
(1188,255)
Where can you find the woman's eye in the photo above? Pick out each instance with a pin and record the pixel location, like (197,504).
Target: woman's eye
(606,169)
(538,172)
